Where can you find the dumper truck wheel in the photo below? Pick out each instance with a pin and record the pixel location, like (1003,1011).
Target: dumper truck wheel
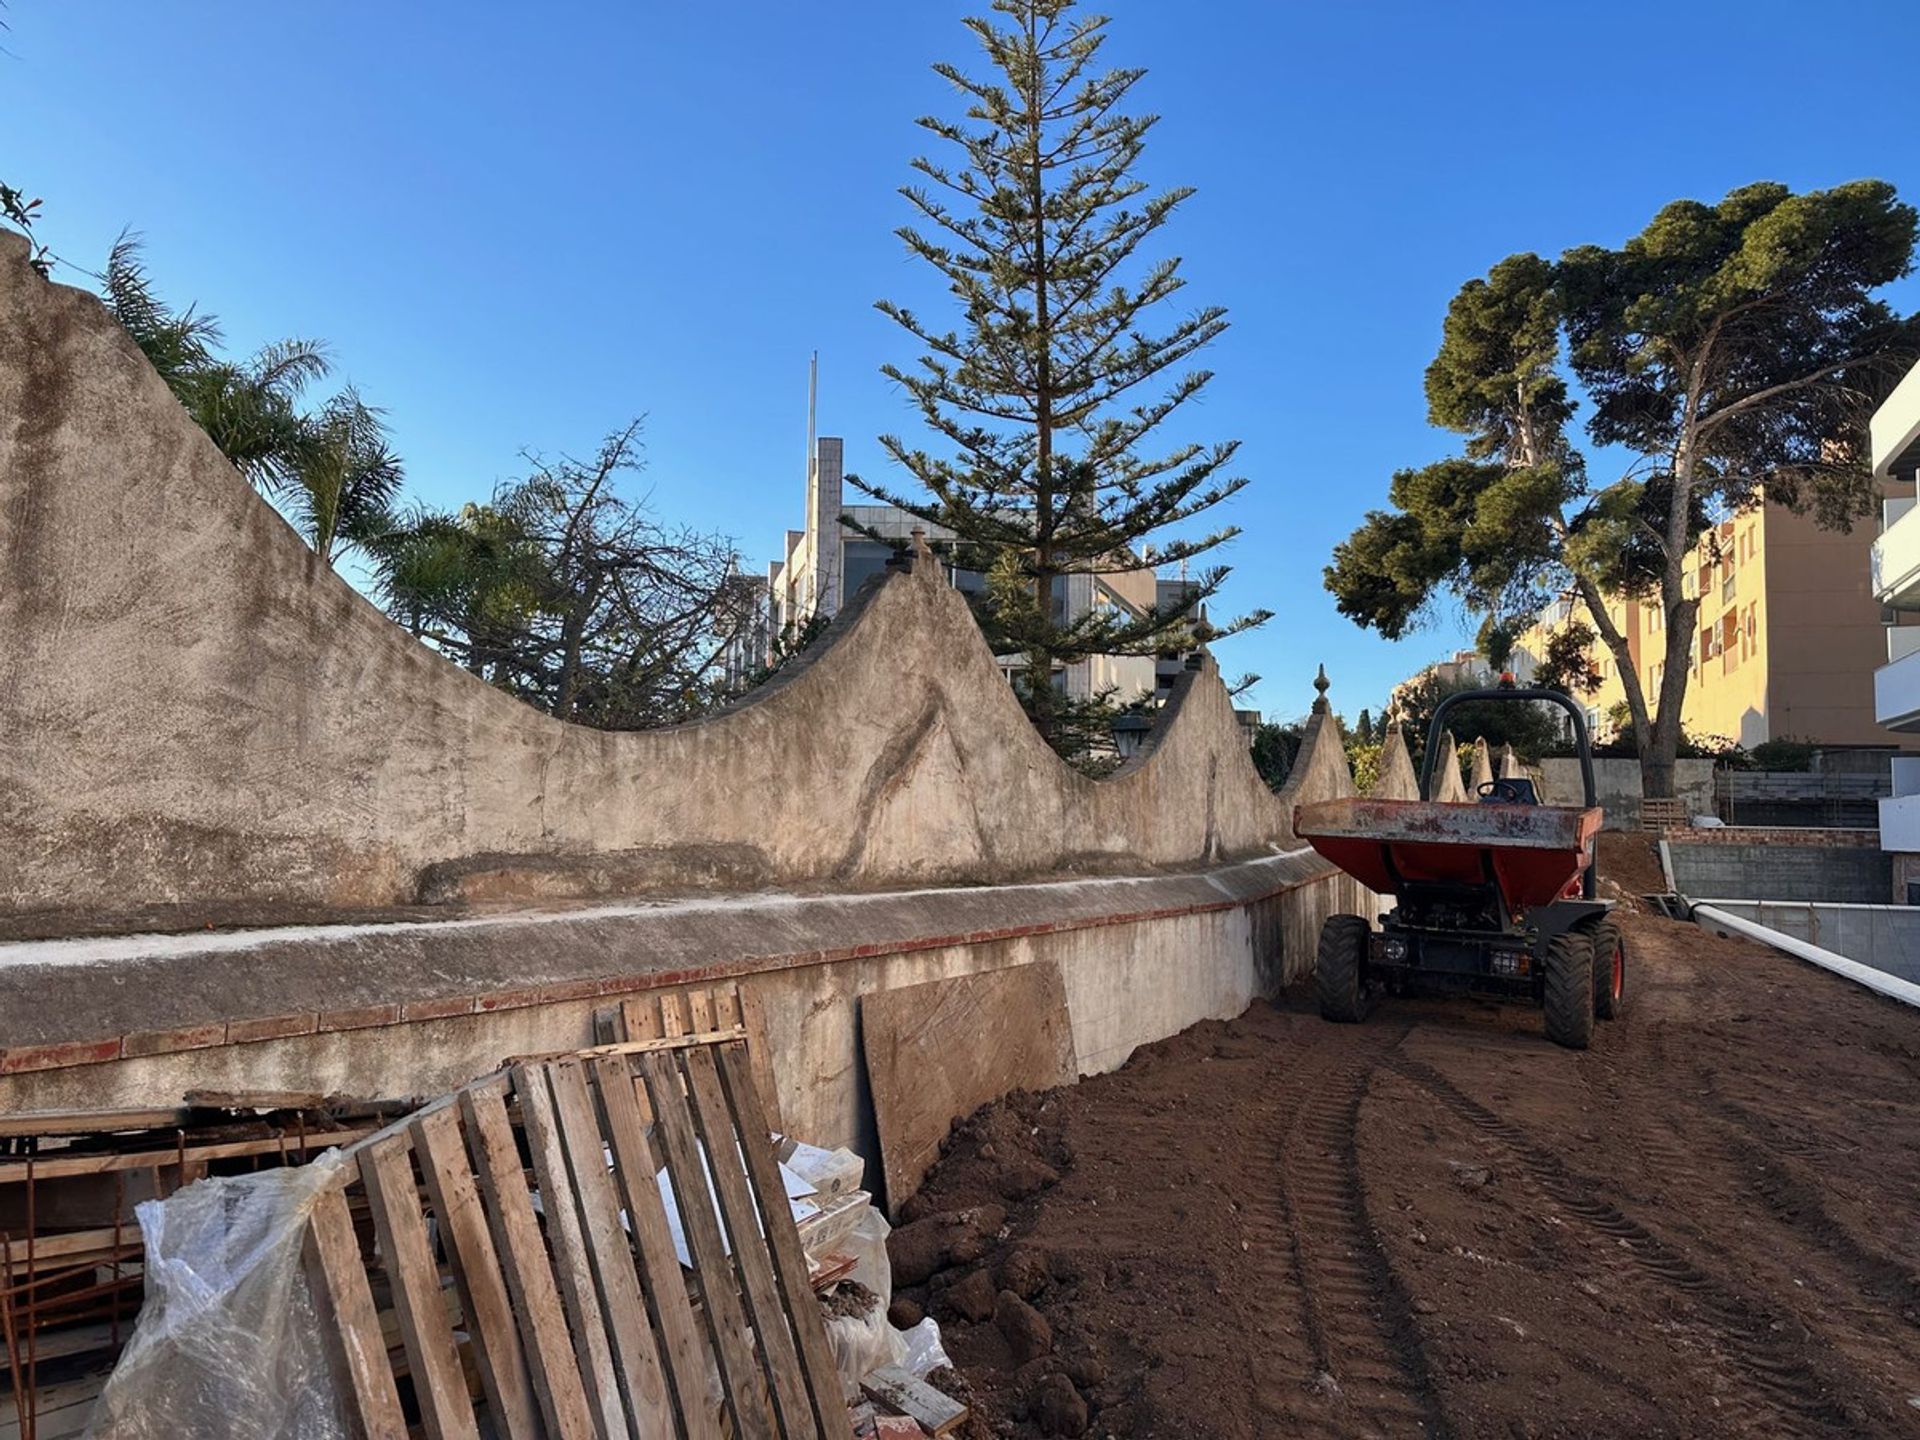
(1337,967)
(1609,970)
(1569,966)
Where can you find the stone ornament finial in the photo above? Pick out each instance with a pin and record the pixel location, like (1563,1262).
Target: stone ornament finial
(1321,684)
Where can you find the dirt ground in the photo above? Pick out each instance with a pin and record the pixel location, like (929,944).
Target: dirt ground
(1436,1223)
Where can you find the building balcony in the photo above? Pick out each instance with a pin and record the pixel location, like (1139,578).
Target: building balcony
(1896,694)
(1894,431)
(1895,563)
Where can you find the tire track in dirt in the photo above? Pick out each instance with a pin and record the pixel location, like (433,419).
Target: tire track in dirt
(1801,1399)
(1764,1155)
(1320,1242)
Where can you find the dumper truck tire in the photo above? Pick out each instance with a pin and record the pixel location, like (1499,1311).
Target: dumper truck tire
(1569,967)
(1337,967)
(1609,970)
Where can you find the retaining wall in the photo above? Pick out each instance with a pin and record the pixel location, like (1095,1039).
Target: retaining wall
(1767,863)
(1886,937)
(418,1007)
(1618,784)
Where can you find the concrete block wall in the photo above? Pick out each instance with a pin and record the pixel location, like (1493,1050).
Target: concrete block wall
(1737,863)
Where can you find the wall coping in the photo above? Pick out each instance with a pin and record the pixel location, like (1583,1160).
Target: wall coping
(90,1001)
(1785,836)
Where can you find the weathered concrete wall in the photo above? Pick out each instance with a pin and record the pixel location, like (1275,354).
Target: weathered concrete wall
(418,1007)
(1618,784)
(199,713)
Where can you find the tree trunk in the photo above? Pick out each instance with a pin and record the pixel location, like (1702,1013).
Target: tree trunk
(1040,661)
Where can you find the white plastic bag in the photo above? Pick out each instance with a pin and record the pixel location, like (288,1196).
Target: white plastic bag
(228,1343)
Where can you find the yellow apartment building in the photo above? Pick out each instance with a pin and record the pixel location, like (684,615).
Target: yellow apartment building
(1789,636)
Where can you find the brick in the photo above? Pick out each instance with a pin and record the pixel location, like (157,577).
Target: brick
(569,990)
(271,1027)
(166,1042)
(16,1058)
(507,1000)
(437,1009)
(359,1017)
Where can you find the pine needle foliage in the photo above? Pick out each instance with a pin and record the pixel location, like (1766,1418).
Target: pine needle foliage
(1047,392)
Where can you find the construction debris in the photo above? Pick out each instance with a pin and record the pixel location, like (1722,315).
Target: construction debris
(601,1243)
(72,1258)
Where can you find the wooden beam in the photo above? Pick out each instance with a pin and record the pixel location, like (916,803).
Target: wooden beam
(440,1385)
(769,1314)
(739,1370)
(339,1281)
(571,1265)
(783,1239)
(476,1271)
(629,1330)
(523,1255)
(665,1284)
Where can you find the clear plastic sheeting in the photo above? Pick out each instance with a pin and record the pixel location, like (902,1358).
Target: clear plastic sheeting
(229,1342)
(865,1343)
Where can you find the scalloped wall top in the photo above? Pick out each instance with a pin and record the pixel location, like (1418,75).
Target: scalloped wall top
(199,713)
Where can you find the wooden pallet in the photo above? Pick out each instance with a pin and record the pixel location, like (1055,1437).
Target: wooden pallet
(576,1325)
(698,1012)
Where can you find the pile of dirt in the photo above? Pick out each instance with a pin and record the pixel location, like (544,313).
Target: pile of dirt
(1436,1223)
(1630,860)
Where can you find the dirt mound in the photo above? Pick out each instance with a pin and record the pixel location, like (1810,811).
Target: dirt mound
(1436,1223)
(1630,860)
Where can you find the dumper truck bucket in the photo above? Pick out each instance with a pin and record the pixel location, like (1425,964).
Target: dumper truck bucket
(1532,852)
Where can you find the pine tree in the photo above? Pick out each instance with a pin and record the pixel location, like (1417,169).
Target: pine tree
(1041,393)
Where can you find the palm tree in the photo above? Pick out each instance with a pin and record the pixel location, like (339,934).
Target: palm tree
(341,479)
(248,408)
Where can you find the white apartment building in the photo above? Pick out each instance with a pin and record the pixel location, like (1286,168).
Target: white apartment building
(1895,438)
(827,562)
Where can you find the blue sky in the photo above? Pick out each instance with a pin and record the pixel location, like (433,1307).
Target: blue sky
(517,226)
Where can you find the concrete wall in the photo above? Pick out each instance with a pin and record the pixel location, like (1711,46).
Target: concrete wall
(199,714)
(418,1007)
(205,727)
(1887,937)
(1737,863)
(1618,783)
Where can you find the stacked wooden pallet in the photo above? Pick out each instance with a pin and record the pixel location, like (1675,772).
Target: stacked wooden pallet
(547,1215)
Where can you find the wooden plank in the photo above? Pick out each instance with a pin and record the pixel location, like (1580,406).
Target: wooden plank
(571,1265)
(476,1271)
(726,1008)
(895,1389)
(339,1281)
(673,1014)
(440,1386)
(685,1346)
(753,1019)
(750,1253)
(739,1370)
(939,1051)
(825,1391)
(629,1329)
(523,1256)
(700,1010)
(90,1122)
(57,1166)
(643,1018)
